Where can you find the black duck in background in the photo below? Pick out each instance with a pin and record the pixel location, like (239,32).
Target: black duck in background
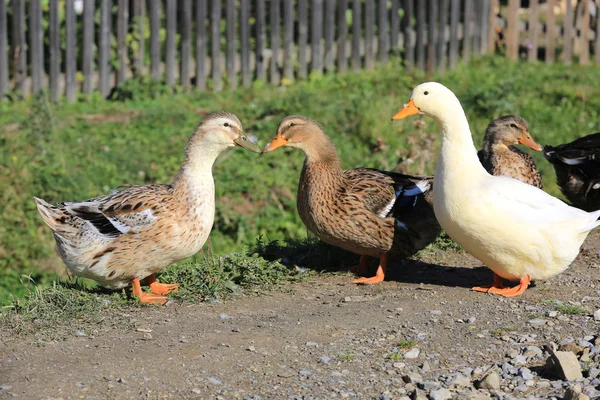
(577,166)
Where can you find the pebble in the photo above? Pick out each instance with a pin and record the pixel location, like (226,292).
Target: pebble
(537,322)
(224,316)
(552,314)
(520,359)
(5,387)
(435,312)
(214,381)
(251,348)
(324,360)
(305,372)
(399,365)
(440,394)
(525,373)
(312,344)
(428,385)
(196,391)
(412,377)
(565,365)
(147,336)
(412,353)
(490,382)
(461,381)
(597,315)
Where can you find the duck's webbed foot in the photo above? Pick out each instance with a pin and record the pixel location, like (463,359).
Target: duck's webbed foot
(379,275)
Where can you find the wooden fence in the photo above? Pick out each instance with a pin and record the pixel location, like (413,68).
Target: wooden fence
(79,46)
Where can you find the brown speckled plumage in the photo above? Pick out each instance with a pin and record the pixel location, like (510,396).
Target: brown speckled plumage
(500,158)
(358,209)
(139,230)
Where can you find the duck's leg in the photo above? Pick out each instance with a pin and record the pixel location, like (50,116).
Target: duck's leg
(160,288)
(361,268)
(508,292)
(379,275)
(496,285)
(146,297)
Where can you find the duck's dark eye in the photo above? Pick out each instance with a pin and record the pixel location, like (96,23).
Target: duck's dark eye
(292,124)
(227,125)
(426,93)
(513,126)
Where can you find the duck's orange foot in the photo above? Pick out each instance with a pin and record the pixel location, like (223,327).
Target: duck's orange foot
(379,275)
(361,268)
(152,298)
(507,292)
(498,284)
(161,288)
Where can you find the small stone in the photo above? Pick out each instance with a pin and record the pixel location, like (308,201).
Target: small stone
(520,359)
(435,312)
(571,347)
(477,396)
(564,364)
(305,372)
(472,320)
(597,315)
(491,381)
(575,394)
(533,352)
(80,333)
(585,357)
(285,374)
(312,344)
(552,314)
(412,353)
(428,385)
(5,387)
(214,381)
(399,365)
(525,373)
(346,299)
(251,348)
(324,360)
(224,316)
(121,380)
(418,394)
(461,381)
(537,322)
(440,394)
(147,336)
(425,367)
(196,391)
(412,377)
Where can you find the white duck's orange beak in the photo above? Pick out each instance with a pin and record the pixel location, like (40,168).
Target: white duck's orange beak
(408,110)
(526,140)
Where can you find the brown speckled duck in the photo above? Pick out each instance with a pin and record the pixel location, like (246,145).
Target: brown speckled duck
(121,238)
(366,211)
(499,156)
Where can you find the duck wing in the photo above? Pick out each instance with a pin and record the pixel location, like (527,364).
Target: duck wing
(576,152)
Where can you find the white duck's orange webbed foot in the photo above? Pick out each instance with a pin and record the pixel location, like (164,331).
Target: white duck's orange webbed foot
(361,268)
(379,275)
(160,288)
(498,284)
(146,297)
(513,291)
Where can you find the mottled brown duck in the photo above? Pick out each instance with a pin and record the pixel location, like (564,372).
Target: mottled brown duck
(577,166)
(121,238)
(500,157)
(369,212)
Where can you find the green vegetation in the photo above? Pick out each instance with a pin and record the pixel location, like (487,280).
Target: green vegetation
(76,151)
(570,309)
(407,344)
(394,357)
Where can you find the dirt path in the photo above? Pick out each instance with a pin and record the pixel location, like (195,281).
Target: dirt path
(327,339)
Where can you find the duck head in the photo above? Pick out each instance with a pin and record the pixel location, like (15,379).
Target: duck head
(220,131)
(509,130)
(432,99)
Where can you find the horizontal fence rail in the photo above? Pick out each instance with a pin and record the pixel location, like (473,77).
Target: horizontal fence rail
(68,47)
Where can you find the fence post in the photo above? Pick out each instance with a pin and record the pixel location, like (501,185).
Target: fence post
(88,46)
(369,34)
(441,56)
(288,39)
(584,57)
(316,35)
(533,25)
(231,44)
(170,42)
(36,37)
(274,20)
(302,37)
(512,30)
(261,72)
(186,46)
(568,34)
(597,44)
(356,34)
(54,51)
(155,38)
(431,36)
(122,19)
(201,44)
(245,41)
(104,47)
(3,52)
(550,32)
(342,35)
(395,25)
(485,26)
(139,11)
(329,33)
(71,50)
(216,45)
(409,49)
(421,34)
(384,35)
(454,18)
(491,38)
(467,30)
(477,8)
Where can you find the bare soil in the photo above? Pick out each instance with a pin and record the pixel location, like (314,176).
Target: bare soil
(325,338)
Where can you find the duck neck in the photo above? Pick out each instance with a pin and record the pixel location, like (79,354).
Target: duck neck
(322,162)
(196,169)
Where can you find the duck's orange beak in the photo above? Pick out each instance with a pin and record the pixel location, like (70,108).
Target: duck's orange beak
(408,110)
(527,140)
(277,141)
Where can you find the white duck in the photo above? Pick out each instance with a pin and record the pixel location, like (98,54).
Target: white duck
(520,232)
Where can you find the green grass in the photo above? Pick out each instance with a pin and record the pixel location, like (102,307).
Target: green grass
(407,344)
(75,151)
(570,309)
(395,357)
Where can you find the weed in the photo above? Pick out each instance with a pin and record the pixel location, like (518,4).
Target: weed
(347,357)
(407,344)
(570,309)
(497,333)
(394,357)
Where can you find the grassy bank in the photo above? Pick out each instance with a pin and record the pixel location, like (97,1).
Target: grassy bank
(76,151)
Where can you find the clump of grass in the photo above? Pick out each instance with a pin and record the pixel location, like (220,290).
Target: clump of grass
(497,333)
(570,309)
(407,344)
(394,357)
(347,357)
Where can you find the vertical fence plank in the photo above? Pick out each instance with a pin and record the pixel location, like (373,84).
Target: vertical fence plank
(302,37)
(54,51)
(491,35)
(369,33)
(316,34)
(342,41)
(329,33)
(170,42)
(597,43)
(18,51)
(245,41)
(382,28)
(260,40)
(139,12)
(533,24)
(231,44)
(201,44)
(485,26)
(356,34)
(584,57)
(453,46)
(275,33)
(288,39)
(467,30)
(216,45)
(71,50)
(3,52)
(186,45)
(420,44)
(431,36)
(408,44)
(36,37)
(512,30)
(104,45)
(477,27)
(395,25)
(88,46)
(550,32)
(122,29)
(155,39)
(441,55)
(568,34)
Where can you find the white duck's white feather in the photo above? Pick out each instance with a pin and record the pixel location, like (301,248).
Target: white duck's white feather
(513,228)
